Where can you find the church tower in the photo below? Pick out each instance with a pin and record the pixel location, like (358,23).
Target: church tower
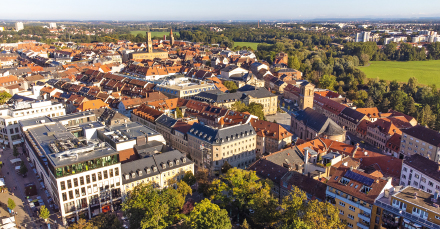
(171,37)
(306,95)
(149,43)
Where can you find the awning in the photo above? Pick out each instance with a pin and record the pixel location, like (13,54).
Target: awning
(13,161)
(8,220)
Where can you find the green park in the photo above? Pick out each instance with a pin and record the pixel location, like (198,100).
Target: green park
(427,72)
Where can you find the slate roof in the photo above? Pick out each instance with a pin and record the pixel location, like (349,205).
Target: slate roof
(424,165)
(217,136)
(166,121)
(425,134)
(221,97)
(352,115)
(319,122)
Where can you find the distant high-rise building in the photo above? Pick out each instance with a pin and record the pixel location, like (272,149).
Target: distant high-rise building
(362,36)
(19,26)
(53,25)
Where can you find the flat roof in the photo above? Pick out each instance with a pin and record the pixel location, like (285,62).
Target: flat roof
(49,133)
(72,116)
(130,130)
(423,198)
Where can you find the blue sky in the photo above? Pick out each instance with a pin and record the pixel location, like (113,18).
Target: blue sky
(215,10)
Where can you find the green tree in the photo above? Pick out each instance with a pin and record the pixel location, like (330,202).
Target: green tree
(394,85)
(410,108)
(189,178)
(178,113)
(293,62)
(44,213)
(11,204)
(327,82)
(427,117)
(369,102)
(239,106)
(82,224)
(411,87)
(203,182)
(4,97)
(107,221)
(231,86)
(145,209)
(207,215)
(225,167)
(183,189)
(23,168)
(397,100)
(257,109)
(15,152)
(245,225)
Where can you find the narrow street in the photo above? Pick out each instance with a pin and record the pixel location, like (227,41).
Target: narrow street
(25,216)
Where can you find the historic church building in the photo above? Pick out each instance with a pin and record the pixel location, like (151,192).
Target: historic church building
(308,123)
(150,53)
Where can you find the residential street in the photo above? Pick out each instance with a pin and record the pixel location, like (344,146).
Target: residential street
(25,217)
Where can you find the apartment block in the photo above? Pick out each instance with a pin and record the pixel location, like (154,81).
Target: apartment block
(10,115)
(421,173)
(354,193)
(420,140)
(408,207)
(210,147)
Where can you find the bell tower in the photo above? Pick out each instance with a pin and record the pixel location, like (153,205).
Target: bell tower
(171,37)
(149,43)
(306,95)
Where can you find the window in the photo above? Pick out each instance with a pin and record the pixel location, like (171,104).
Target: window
(422,187)
(111,172)
(88,179)
(403,176)
(404,169)
(430,183)
(350,216)
(341,212)
(81,180)
(429,190)
(352,208)
(116,172)
(93,177)
(350,225)
(99,176)
(399,204)
(64,196)
(416,184)
(70,194)
(75,182)
(63,185)
(437,217)
(69,184)
(342,203)
(105,174)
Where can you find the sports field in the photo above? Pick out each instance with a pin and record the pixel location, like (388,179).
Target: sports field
(427,72)
(153,33)
(247,44)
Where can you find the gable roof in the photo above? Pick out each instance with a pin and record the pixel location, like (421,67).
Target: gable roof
(424,165)
(319,122)
(425,134)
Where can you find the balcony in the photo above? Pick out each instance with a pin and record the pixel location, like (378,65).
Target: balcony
(363,226)
(364,216)
(406,215)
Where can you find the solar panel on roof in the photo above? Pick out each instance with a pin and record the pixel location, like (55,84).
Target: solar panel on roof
(358,177)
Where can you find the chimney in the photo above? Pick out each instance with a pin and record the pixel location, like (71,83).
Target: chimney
(306,156)
(355,149)
(141,140)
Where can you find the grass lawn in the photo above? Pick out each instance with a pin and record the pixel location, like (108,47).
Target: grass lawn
(153,33)
(427,72)
(247,44)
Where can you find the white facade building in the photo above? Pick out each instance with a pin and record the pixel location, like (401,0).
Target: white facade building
(10,132)
(420,172)
(19,26)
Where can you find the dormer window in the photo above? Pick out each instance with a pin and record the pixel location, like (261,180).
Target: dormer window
(177,162)
(127,176)
(148,171)
(164,166)
(154,169)
(140,172)
(133,175)
(170,164)
(184,160)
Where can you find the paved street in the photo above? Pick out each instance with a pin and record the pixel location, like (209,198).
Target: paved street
(281,118)
(25,217)
(354,140)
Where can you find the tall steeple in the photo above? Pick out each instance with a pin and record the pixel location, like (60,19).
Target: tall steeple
(171,37)
(149,43)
